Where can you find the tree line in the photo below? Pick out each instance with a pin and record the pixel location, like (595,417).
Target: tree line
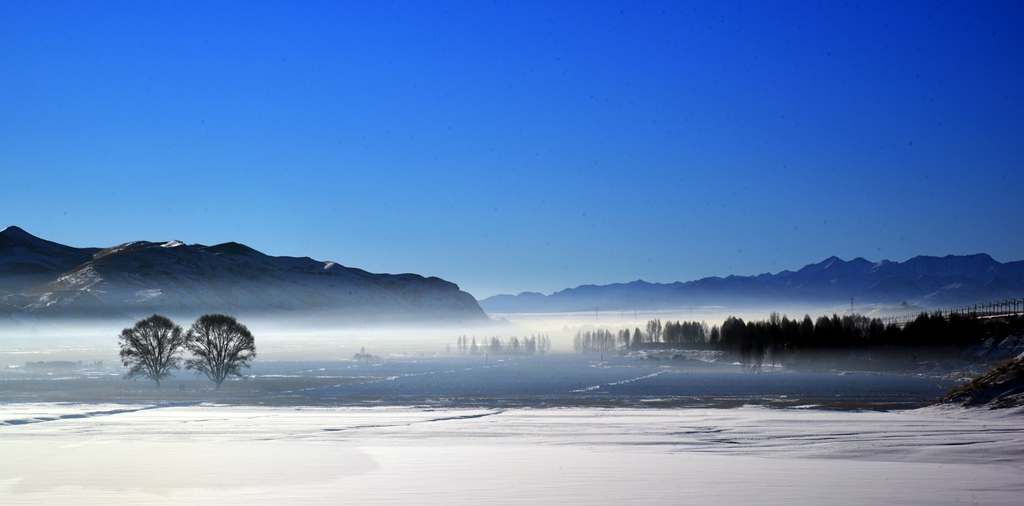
(777,337)
(218,344)
(533,345)
(598,341)
(753,342)
(678,332)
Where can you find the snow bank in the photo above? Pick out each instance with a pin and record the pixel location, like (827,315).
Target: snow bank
(61,454)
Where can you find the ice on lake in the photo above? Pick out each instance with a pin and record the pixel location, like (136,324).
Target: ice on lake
(555,380)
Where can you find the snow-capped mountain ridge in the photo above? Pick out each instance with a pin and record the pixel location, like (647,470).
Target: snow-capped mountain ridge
(927,281)
(44,280)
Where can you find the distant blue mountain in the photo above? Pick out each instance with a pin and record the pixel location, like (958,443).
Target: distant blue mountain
(931,282)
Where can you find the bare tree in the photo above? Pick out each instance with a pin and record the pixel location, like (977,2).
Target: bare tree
(151,348)
(654,331)
(220,347)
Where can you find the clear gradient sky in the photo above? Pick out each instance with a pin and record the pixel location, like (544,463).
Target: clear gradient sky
(518,146)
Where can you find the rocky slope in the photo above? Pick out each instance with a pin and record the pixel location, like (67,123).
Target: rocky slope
(1003,387)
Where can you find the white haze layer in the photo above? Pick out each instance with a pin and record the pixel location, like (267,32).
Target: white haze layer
(276,340)
(282,339)
(116,454)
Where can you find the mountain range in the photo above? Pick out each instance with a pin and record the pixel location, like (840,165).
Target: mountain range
(44,280)
(923,281)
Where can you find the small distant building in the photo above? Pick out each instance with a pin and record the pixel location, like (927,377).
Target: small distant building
(51,366)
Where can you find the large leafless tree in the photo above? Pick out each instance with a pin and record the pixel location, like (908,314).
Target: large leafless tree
(151,348)
(220,347)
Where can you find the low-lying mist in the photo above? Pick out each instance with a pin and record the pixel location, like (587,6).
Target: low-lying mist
(517,359)
(276,339)
(312,338)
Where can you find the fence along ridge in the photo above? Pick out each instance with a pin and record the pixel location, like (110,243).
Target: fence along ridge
(1007,307)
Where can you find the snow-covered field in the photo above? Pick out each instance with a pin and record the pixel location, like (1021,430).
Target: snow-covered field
(558,429)
(207,454)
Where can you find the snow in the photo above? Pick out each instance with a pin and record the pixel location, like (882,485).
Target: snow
(79,279)
(146,295)
(138,454)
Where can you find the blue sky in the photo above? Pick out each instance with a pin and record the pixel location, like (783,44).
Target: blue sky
(518,146)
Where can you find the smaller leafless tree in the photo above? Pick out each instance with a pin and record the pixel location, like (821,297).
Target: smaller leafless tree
(220,347)
(151,348)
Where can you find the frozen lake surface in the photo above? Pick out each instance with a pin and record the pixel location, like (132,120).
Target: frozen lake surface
(141,454)
(580,380)
(516,381)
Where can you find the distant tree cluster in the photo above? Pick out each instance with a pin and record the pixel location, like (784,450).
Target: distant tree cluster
(533,345)
(363,355)
(779,337)
(464,347)
(624,338)
(686,332)
(755,341)
(678,332)
(652,332)
(219,347)
(598,341)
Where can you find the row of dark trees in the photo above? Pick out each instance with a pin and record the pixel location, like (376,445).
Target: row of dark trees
(218,344)
(598,341)
(673,332)
(603,341)
(754,341)
(686,332)
(535,344)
